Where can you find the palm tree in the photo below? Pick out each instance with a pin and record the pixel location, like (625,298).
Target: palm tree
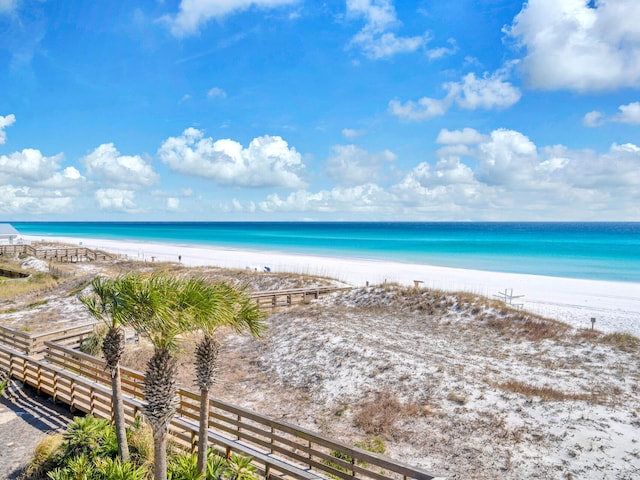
(159,307)
(106,305)
(220,305)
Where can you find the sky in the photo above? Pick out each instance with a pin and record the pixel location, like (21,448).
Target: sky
(301,110)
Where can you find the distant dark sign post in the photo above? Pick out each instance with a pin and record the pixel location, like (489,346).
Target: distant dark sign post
(593,322)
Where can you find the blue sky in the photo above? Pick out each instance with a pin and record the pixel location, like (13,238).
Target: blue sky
(308,110)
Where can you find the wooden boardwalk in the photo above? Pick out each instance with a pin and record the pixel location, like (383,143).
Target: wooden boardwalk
(279,450)
(72,254)
(294,296)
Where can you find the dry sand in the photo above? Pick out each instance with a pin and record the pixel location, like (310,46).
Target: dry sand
(614,305)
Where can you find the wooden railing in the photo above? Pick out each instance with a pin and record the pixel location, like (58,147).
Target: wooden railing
(287,298)
(73,254)
(280,450)
(236,429)
(33,344)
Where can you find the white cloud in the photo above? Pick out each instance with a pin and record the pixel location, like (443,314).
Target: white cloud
(116,200)
(32,183)
(375,39)
(216,92)
(237,206)
(69,178)
(441,52)
(352,133)
(5,122)
(29,166)
(509,157)
(173,204)
(423,109)
(629,114)
(464,136)
(24,200)
(580,45)
(446,171)
(267,162)
(361,198)
(195,13)
(106,163)
(351,165)
(593,119)
(508,178)
(491,91)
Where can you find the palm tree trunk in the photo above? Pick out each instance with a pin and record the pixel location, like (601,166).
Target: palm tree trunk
(160,455)
(203,431)
(160,404)
(118,416)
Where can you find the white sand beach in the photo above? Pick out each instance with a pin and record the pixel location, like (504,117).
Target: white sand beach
(614,305)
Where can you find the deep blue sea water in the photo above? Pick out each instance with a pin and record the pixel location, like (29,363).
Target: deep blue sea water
(602,251)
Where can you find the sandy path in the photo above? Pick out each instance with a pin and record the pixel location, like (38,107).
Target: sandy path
(25,419)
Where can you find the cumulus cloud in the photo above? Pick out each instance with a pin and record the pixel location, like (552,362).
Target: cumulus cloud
(5,122)
(69,178)
(375,40)
(581,45)
(423,109)
(106,164)
(491,91)
(173,204)
(360,198)
(29,166)
(464,136)
(266,162)
(629,114)
(24,200)
(116,200)
(216,92)
(351,165)
(32,183)
(508,157)
(593,119)
(508,177)
(193,14)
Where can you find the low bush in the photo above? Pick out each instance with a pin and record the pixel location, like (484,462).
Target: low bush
(88,450)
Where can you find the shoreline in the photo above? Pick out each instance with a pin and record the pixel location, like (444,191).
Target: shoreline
(615,305)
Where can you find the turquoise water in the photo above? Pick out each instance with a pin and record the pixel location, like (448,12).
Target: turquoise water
(602,251)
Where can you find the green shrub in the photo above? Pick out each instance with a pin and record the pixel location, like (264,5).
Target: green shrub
(114,469)
(88,436)
(92,345)
(240,468)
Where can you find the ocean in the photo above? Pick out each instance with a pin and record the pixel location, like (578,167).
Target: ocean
(598,251)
